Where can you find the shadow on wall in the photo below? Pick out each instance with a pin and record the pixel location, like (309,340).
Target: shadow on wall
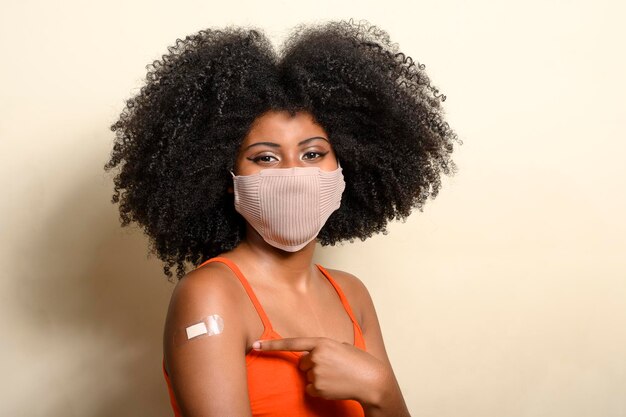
(95,307)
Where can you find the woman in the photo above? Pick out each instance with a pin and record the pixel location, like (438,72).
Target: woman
(238,160)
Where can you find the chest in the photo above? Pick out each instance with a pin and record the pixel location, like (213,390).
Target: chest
(319,313)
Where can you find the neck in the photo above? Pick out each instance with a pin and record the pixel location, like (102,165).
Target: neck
(290,269)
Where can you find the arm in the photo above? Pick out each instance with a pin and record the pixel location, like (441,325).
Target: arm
(388,401)
(208,373)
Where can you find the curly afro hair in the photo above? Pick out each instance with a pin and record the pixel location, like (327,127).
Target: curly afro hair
(178,138)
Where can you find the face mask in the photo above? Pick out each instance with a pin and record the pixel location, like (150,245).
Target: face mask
(288,206)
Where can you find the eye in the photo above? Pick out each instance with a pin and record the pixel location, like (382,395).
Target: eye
(313,155)
(264,159)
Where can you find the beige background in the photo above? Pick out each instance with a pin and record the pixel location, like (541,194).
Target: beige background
(505,297)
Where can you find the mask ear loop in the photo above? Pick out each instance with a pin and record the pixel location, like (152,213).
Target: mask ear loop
(232,182)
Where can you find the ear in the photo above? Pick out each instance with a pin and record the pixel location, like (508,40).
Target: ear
(230,190)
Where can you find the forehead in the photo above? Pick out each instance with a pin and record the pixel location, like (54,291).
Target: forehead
(280,126)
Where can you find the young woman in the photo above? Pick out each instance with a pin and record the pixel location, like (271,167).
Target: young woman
(238,159)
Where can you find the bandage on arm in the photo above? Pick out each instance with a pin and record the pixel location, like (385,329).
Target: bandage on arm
(205,343)
(211,325)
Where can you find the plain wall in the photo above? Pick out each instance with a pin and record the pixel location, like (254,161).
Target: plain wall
(504,297)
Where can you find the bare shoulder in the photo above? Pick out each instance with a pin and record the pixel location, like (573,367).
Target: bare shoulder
(212,283)
(355,290)
(364,310)
(211,289)
(348,281)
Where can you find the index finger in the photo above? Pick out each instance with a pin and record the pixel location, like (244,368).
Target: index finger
(293,344)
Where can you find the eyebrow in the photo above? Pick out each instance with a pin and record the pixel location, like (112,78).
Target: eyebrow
(276,145)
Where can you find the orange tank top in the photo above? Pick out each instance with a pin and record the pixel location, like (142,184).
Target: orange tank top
(276,386)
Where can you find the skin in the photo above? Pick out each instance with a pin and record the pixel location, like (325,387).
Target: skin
(300,302)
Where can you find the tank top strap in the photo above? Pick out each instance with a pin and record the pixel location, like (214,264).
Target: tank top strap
(342,296)
(246,285)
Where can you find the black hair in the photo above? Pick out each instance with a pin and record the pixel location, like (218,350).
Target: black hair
(177,139)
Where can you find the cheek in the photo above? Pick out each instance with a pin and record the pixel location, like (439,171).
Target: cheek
(246,167)
(242,166)
(330,162)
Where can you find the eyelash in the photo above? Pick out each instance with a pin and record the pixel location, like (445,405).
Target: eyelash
(259,158)
(320,154)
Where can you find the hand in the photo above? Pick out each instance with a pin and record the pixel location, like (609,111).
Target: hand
(334,370)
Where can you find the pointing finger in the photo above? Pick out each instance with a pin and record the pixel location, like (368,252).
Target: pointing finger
(294,344)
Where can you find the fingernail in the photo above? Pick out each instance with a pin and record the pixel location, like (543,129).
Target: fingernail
(256,345)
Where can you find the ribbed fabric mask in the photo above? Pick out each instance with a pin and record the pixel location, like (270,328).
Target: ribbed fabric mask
(288,206)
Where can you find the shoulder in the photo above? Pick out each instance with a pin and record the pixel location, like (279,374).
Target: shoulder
(213,282)
(348,281)
(211,289)
(364,310)
(355,291)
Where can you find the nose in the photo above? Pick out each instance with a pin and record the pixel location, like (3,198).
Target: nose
(292,160)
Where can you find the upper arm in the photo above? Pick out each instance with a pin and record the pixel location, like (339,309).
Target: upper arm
(208,373)
(370,326)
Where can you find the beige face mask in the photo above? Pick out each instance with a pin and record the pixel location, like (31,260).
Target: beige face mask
(288,206)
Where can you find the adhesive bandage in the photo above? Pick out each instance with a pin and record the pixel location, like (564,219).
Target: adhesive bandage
(209,326)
